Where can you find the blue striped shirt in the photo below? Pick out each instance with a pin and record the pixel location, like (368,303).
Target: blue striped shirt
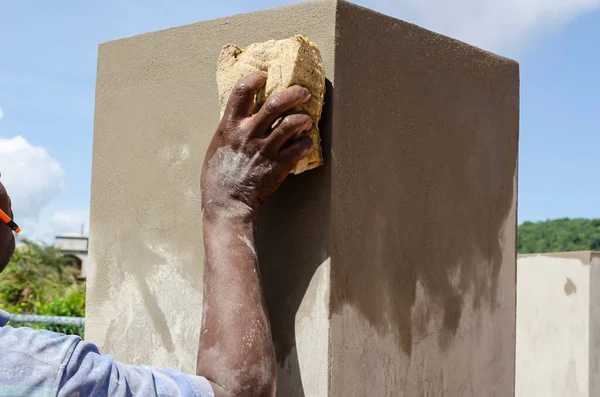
(46,364)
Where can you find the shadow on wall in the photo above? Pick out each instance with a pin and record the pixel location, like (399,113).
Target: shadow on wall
(425,159)
(293,240)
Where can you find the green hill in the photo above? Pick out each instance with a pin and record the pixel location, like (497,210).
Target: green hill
(559,235)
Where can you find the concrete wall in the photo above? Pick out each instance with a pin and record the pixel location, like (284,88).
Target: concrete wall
(594,347)
(156,111)
(71,243)
(75,246)
(554,296)
(423,208)
(390,271)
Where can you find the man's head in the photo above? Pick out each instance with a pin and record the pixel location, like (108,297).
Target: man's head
(7,239)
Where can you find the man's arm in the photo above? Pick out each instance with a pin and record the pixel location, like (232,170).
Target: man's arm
(246,162)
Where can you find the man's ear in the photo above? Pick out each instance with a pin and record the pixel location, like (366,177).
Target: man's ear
(6,252)
(7,238)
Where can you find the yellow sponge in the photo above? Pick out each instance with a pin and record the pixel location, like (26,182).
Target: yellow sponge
(288,62)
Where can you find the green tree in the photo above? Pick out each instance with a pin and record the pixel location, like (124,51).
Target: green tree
(559,235)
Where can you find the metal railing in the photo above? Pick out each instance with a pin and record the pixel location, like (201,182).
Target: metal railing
(63,325)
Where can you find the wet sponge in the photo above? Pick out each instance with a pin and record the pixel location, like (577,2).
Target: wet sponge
(288,62)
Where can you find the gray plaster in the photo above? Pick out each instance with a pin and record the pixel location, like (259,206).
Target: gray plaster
(156,110)
(423,208)
(390,271)
(594,347)
(558,324)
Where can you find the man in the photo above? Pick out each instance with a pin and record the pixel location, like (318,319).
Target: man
(247,160)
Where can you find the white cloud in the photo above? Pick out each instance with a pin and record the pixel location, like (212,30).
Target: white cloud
(52,223)
(31,177)
(34,179)
(497,25)
(1,113)
(36,230)
(70,221)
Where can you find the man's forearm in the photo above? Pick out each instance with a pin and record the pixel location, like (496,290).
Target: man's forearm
(248,158)
(236,349)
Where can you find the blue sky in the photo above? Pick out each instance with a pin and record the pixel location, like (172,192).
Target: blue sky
(47,81)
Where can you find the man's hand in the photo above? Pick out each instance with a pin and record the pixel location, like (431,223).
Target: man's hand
(7,239)
(247,161)
(249,157)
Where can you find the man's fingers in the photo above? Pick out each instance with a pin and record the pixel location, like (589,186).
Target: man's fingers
(296,151)
(290,126)
(243,94)
(278,104)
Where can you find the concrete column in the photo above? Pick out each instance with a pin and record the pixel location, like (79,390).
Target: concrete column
(558,325)
(390,271)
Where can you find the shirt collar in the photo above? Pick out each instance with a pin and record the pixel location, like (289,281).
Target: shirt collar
(4,317)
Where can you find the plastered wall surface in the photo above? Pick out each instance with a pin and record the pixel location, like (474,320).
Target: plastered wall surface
(556,316)
(156,111)
(423,209)
(390,271)
(594,348)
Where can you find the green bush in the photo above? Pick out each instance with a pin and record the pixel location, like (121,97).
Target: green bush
(71,304)
(40,280)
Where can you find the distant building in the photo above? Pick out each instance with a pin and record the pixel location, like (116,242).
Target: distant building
(74,246)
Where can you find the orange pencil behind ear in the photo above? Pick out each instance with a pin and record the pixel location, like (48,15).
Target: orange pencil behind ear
(9,222)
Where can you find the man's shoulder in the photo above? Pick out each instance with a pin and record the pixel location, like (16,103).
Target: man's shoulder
(44,346)
(48,364)
(33,361)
